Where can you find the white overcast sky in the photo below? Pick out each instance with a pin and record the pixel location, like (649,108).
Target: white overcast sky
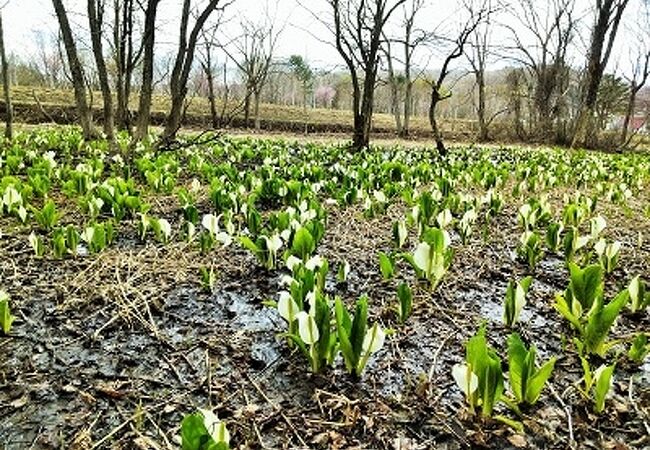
(24,18)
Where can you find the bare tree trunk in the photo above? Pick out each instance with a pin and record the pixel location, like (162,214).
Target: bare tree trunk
(76,72)
(480,110)
(395,105)
(226,95)
(146,92)
(183,66)
(629,113)
(125,61)
(257,96)
(642,71)
(408,100)
(393,84)
(603,34)
(410,45)
(358,31)
(437,134)
(95,20)
(6,85)
(247,106)
(207,68)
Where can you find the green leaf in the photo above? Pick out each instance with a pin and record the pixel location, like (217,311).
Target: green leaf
(405,296)
(359,325)
(195,436)
(303,243)
(485,363)
(248,244)
(603,383)
(562,306)
(517,369)
(601,320)
(343,326)
(386,265)
(639,348)
(586,284)
(537,382)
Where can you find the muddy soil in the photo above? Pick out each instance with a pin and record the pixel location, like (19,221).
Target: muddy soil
(111,350)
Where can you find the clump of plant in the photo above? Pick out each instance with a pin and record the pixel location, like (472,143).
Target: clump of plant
(265,248)
(357,341)
(98,236)
(480,378)
(432,257)
(526,380)
(213,233)
(583,305)
(400,234)
(204,431)
(386,265)
(597,384)
(405,302)
(515,300)
(36,243)
(530,248)
(208,278)
(639,349)
(553,236)
(573,242)
(607,254)
(314,334)
(639,297)
(47,217)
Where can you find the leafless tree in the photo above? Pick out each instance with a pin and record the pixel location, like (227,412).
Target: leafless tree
(549,30)
(148,41)
(607,18)
(207,61)
(476,14)
(357,27)
(96,9)
(183,62)
(401,84)
(396,83)
(640,59)
(76,71)
(6,84)
(481,50)
(252,52)
(127,53)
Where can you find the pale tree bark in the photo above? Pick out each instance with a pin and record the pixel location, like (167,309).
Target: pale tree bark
(608,15)
(146,91)
(76,72)
(96,20)
(183,63)
(6,86)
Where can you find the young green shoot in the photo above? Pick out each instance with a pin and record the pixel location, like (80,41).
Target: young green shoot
(515,300)
(6,319)
(204,431)
(526,380)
